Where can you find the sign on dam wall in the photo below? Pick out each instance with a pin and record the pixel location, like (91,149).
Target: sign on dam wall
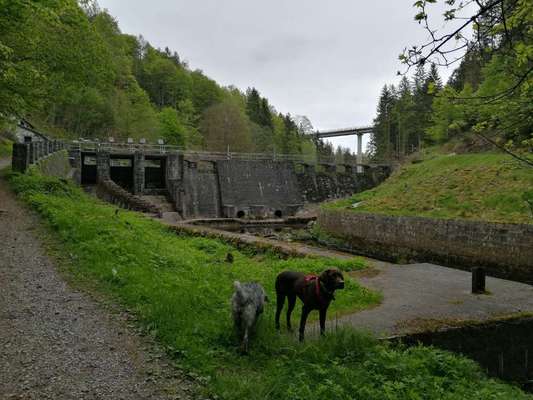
(211,185)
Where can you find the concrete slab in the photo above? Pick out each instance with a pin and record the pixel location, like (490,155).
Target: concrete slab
(420,297)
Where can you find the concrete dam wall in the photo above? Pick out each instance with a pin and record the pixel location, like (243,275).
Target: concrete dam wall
(204,186)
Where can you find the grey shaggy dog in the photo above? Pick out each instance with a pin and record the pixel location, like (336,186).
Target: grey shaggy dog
(247,304)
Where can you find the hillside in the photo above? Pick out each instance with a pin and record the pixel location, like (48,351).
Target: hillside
(68,68)
(483,186)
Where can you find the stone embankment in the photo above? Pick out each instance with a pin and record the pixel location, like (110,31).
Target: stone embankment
(110,192)
(505,250)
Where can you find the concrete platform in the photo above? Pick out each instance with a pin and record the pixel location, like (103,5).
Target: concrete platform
(421,297)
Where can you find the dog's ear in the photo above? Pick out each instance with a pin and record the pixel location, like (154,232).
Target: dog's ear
(328,273)
(334,272)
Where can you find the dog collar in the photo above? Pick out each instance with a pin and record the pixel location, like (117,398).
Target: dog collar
(310,278)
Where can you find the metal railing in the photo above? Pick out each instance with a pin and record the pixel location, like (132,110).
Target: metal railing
(162,149)
(111,147)
(26,154)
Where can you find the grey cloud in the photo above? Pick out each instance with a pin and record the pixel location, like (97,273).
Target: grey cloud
(324,59)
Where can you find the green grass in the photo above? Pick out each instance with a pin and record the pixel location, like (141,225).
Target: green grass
(6,147)
(488,187)
(179,287)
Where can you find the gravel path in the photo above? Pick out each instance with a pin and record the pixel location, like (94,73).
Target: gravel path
(57,343)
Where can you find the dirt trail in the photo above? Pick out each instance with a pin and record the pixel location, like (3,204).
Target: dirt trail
(57,343)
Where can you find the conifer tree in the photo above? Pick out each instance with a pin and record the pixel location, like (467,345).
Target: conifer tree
(380,144)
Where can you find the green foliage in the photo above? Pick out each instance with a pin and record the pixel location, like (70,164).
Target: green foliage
(33,184)
(489,187)
(134,116)
(33,50)
(166,81)
(489,93)
(171,128)
(225,126)
(451,117)
(403,114)
(69,69)
(179,288)
(527,196)
(6,147)
(258,109)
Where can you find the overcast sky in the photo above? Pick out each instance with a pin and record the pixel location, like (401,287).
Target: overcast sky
(327,60)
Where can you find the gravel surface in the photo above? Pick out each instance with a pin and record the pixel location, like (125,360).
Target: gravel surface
(57,343)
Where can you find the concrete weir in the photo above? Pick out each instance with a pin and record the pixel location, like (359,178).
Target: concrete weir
(222,185)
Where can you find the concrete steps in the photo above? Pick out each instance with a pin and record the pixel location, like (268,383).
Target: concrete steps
(161,202)
(171,217)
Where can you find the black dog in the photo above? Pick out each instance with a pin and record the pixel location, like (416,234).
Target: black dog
(316,292)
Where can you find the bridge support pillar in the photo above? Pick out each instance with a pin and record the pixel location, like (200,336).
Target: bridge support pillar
(103,171)
(360,153)
(138,172)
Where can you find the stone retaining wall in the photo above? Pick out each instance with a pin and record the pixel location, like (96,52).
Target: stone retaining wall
(254,188)
(503,348)
(505,250)
(110,192)
(55,164)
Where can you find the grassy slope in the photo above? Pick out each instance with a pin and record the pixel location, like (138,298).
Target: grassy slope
(481,186)
(179,288)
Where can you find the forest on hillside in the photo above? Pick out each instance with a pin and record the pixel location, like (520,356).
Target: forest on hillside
(68,69)
(489,96)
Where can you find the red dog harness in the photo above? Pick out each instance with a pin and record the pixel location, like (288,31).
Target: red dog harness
(310,278)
